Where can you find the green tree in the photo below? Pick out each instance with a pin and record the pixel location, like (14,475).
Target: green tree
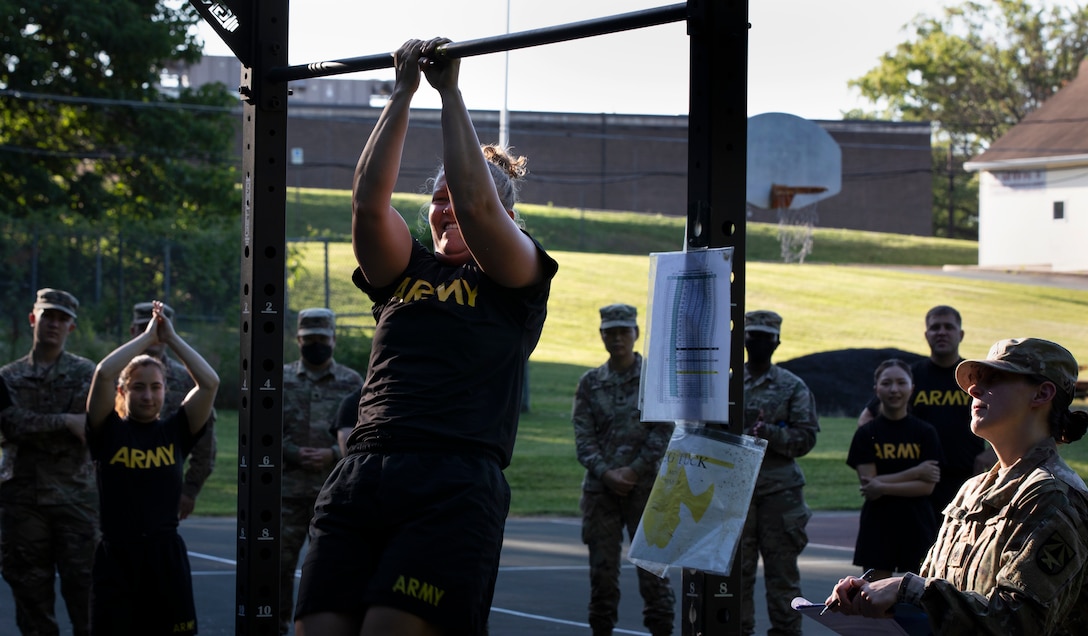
(92,147)
(955,193)
(975,71)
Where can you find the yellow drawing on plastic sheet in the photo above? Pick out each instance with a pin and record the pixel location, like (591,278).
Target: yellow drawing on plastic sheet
(696,510)
(662,514)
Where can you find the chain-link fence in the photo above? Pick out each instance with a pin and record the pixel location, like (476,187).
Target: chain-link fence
(196,272)
(319,275)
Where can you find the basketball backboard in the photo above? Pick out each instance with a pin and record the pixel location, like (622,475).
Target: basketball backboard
(794,154)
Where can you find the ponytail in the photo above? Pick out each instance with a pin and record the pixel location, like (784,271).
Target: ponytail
(1066,426)
(1069,426)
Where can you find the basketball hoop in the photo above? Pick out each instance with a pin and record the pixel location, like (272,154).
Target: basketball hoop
(795,225)
(782,196)
(785,149)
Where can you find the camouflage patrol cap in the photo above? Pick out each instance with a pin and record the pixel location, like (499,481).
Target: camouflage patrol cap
(618,315)
(316,320)
(763,320)
(141,313)
(49,298)
(1025,356)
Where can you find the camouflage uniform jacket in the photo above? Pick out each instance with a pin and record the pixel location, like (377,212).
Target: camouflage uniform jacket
(608,432)
(310,402)
(202,458)
(790,410)
(50,466)
(1012,555)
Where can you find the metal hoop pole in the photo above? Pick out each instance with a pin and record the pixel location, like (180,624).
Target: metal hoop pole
(495,44)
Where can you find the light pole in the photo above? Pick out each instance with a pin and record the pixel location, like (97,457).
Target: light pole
(504,114)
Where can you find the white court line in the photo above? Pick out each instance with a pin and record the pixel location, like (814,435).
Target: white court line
(500,610)
(529,568)
(216,559)
(559,621)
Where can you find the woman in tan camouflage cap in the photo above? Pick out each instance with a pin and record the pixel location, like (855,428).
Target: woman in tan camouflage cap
(1010,556)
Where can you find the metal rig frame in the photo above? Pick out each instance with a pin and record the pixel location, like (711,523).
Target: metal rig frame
(257,33)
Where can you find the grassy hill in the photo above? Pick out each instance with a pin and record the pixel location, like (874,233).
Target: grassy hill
(327,213)
(844,296)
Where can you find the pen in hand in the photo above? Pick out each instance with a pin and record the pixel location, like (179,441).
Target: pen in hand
(835,603)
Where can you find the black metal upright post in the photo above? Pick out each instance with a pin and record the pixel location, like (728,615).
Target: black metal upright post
(256,31)
(262,306)
(717,161)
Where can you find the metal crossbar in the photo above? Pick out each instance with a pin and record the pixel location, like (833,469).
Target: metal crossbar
(494,44)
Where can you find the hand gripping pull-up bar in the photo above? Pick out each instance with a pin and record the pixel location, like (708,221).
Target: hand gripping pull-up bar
(495,44)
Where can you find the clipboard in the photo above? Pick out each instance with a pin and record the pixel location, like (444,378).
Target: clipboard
(907,621)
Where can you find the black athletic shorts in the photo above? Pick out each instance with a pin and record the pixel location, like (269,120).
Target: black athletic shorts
(142,587)
(417,532)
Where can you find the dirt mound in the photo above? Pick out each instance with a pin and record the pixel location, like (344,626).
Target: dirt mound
(842,380)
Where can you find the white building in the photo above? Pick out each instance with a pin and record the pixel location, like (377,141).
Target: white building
(1033,187)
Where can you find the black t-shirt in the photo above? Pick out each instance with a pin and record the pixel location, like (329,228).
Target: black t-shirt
(894,445)
(447,363)
(939,400)
(347,414)
(894,531)
(139,468)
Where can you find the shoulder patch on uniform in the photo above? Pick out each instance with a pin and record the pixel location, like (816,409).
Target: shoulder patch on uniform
(1055,554)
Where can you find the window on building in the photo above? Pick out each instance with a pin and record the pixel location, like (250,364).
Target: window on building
(1059,210)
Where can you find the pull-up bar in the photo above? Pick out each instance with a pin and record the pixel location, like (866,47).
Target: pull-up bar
(257,32)
(495,44)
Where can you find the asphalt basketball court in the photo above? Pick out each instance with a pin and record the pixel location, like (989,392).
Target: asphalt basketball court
(543,583)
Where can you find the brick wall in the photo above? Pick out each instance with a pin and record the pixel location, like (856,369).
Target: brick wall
(596,161)
(628,162)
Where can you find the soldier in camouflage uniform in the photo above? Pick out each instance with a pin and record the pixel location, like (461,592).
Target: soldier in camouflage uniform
(1012,554)
(178,385)
(621,455)
(49,501)
(779,408)
(313,388)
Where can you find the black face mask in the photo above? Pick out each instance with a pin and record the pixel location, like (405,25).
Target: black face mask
(316,353)
(760,350)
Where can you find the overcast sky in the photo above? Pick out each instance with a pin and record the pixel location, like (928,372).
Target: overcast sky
(801,53)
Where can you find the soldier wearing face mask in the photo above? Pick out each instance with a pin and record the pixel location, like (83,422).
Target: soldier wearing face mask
(313,388)
(779,408)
